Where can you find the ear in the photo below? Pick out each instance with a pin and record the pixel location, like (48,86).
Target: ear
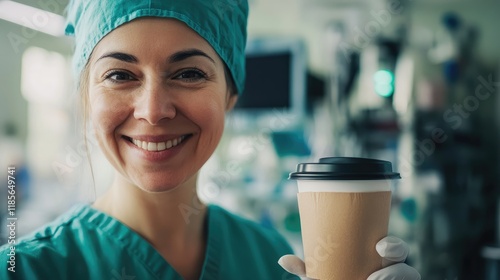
(231,101)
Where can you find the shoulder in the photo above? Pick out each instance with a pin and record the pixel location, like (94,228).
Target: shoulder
(27,260)
(243,231)
(39,253)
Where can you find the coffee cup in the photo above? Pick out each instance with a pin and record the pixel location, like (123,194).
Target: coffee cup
(344,206)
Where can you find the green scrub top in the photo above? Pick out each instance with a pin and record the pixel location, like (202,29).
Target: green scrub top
(85,243)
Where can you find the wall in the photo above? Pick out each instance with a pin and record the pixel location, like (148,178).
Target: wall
(13,108)
(14,40)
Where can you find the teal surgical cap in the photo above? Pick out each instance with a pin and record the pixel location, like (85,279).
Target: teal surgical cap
(222,23)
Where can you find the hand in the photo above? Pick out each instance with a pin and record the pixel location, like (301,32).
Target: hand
(293,265)
(392,249)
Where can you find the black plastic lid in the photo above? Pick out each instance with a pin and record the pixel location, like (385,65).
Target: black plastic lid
(345,168)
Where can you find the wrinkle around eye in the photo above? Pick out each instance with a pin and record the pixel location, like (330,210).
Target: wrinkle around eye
(191,75)
(118,78)
(125,76)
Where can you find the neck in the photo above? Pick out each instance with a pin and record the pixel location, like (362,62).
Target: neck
(171,221)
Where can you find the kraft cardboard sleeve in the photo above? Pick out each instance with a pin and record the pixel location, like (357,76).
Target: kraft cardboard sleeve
(340,231)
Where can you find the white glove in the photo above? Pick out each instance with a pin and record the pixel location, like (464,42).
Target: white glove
(392,249)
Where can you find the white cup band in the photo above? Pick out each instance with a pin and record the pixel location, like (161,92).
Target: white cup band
(347,186)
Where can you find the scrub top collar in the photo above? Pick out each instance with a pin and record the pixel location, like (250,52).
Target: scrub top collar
(143,251)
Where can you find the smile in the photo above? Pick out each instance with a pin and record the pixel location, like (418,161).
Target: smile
(158,146)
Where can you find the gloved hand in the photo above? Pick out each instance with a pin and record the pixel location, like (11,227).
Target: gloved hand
(392,249)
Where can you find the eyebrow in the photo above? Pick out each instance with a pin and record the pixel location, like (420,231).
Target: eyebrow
(185,54)
(176,57)
(120,56)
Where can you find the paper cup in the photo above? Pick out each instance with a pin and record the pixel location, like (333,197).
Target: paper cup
(344,206)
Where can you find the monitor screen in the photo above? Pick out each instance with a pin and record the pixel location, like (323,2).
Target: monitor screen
(275,86)
(267,83)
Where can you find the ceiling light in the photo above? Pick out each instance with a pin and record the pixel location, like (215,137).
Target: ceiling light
(31,17)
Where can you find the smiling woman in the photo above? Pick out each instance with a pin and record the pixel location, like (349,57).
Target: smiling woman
(156,80)
(170,92)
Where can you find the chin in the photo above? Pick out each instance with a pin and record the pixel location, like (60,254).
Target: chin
(157,188)
(160,181)
(160,184)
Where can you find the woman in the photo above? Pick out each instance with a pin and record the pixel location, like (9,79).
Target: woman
(156,79)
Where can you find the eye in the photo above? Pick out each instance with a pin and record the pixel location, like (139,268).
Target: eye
(191,75)
(118,76)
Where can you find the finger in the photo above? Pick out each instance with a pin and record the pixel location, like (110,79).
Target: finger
(392,249)
(398,271)
(293,264)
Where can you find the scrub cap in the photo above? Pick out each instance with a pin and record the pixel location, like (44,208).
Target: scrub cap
(222,23)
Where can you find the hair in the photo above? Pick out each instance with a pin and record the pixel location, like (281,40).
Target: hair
(231,85)
(82,91)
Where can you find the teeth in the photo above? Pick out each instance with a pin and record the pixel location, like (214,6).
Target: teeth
(151,146)
(160,146)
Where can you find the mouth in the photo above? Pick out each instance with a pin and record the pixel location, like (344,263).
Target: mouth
(157,146)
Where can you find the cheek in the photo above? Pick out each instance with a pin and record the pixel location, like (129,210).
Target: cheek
(107,113)
(209,115)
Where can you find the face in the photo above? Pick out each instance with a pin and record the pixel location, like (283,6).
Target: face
(158,96)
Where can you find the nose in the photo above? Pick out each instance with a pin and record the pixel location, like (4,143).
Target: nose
(154,104)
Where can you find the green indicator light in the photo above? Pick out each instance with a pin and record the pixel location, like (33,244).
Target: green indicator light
(383,77)
(384,83)
(384,90)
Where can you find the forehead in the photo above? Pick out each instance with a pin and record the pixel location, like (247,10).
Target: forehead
(149,36)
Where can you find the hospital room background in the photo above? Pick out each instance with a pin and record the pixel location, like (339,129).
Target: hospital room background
(416,83)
